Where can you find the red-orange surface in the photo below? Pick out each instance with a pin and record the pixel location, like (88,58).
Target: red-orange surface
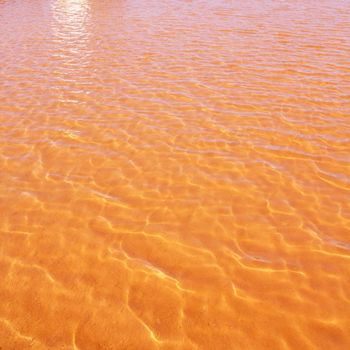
(174,174)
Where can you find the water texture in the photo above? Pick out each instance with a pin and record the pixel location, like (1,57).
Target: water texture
(174,174)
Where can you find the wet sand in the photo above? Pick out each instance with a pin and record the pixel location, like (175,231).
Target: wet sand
(174,174)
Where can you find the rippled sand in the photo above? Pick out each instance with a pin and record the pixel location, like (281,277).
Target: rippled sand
(174,174)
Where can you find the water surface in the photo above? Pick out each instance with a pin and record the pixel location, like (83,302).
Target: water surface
(174,174)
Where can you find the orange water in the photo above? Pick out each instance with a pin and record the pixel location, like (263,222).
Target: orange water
(174,174)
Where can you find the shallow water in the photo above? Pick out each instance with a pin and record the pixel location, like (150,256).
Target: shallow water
(174,174)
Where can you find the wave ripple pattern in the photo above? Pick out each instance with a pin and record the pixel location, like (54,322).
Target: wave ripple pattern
(174,175)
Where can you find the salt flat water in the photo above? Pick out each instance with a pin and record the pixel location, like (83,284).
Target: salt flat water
(174,174)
